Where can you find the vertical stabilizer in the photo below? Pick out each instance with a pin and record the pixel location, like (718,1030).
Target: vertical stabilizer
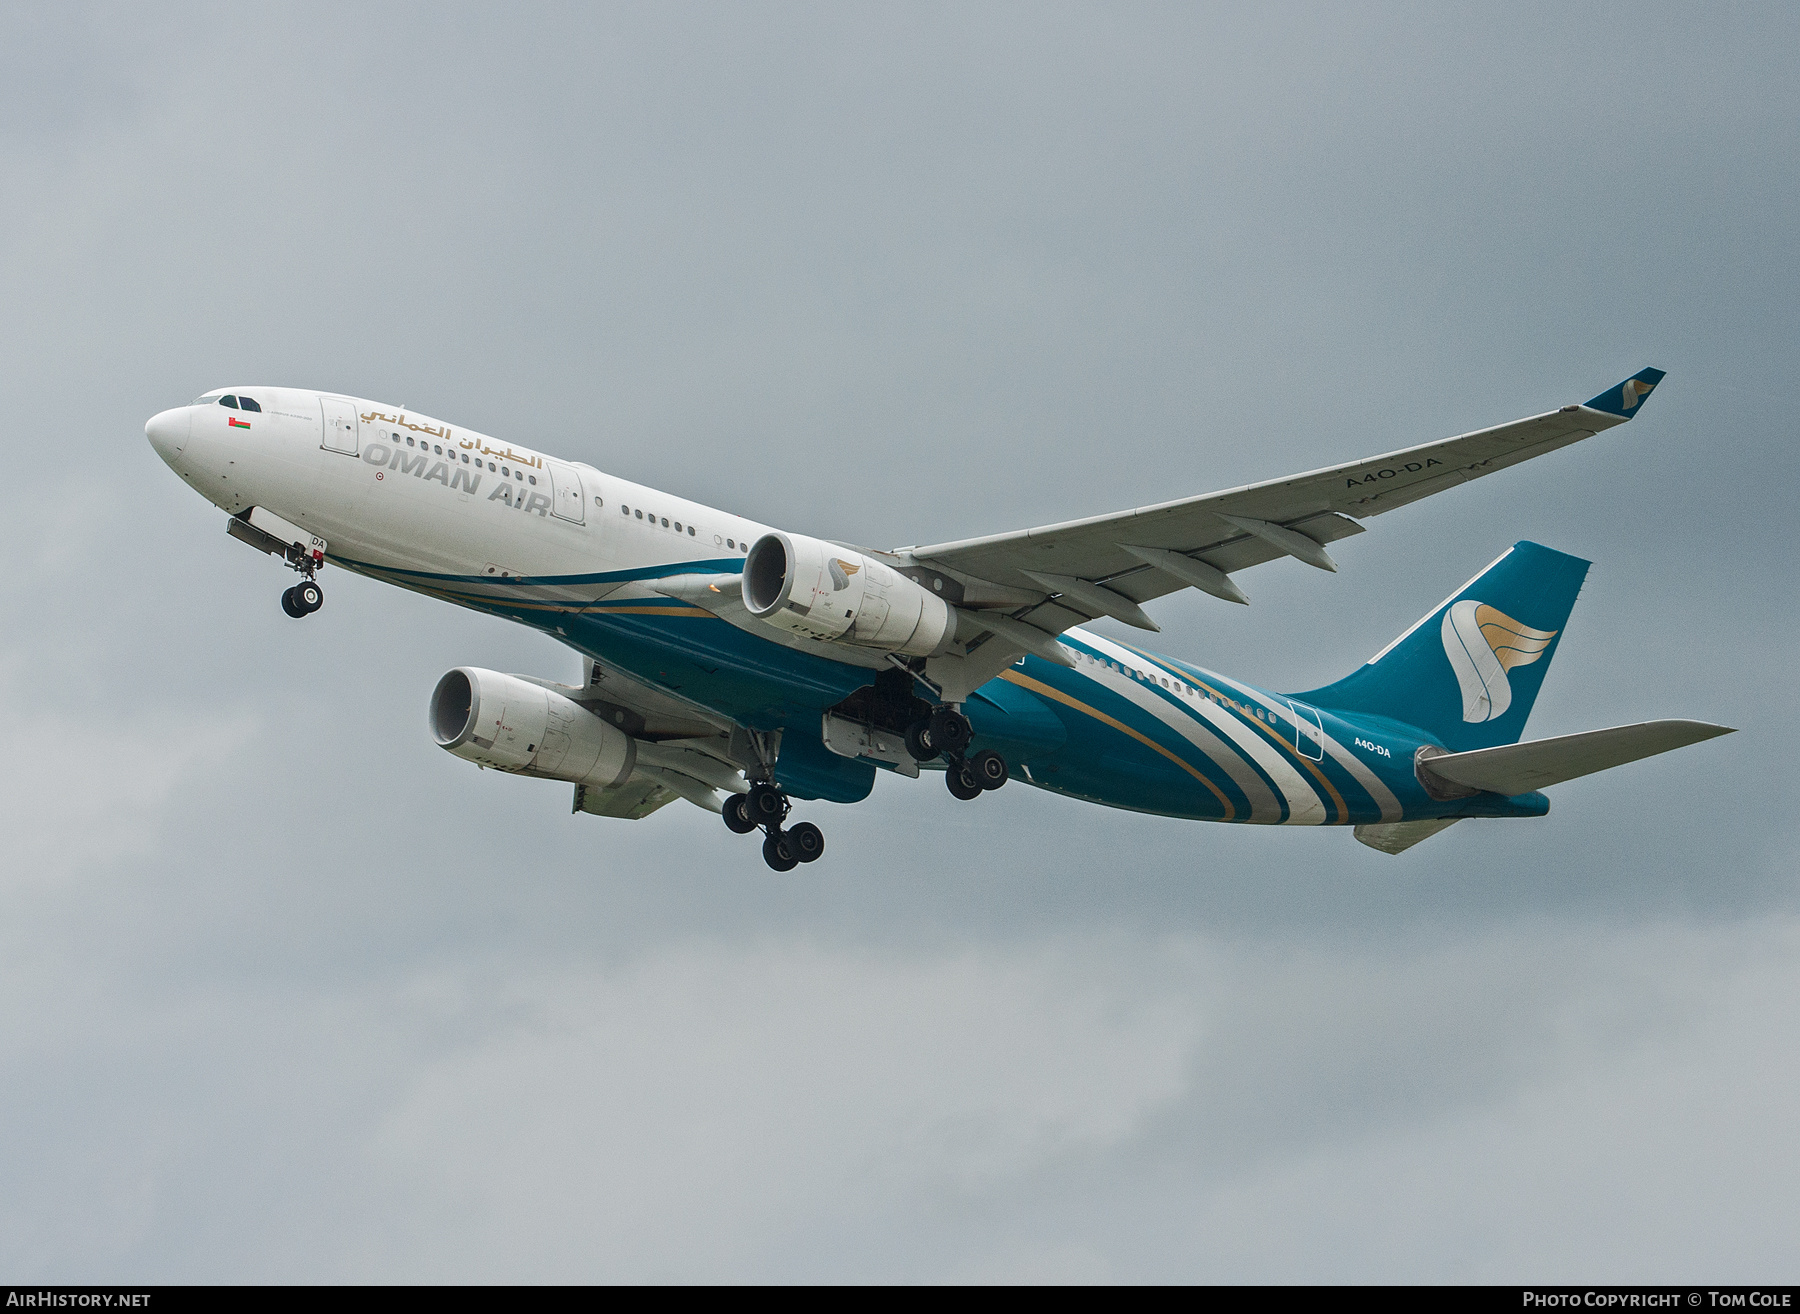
(1468,673)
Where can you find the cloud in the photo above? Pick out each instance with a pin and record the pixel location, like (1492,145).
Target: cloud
(86,788)
(1592,1107)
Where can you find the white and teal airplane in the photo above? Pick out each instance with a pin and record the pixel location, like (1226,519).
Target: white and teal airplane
(740,667)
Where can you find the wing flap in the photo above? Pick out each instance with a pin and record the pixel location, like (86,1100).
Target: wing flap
(1539,763)
(632,801)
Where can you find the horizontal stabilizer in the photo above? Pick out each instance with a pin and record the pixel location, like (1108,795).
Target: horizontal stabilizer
(1539,763)
(1399,836)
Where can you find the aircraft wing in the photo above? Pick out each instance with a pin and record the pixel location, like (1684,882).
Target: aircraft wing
(1200,541)
(683,751)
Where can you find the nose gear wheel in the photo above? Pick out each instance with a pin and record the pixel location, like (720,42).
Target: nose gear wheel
(303,599)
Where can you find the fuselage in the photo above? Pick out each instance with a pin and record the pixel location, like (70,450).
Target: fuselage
(577,553)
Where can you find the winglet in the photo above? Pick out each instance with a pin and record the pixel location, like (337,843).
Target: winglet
(1624,398)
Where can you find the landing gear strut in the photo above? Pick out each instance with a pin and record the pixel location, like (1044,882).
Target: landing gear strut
(767,807)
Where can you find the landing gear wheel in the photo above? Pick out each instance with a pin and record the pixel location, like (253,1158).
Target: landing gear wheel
(805,841)
(961,780)
(949,731)
(737,819)
(777,853)
(308,596)
(989,769)
(918,742)
(290,606)
(765,804)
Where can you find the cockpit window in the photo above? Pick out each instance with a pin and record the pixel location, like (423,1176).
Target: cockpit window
(248,404)
(228,400)
(207,400)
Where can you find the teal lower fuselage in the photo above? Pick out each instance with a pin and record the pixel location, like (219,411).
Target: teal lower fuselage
(1123,727)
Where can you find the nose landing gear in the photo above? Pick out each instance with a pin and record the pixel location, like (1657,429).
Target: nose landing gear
(767,807)
(303,599)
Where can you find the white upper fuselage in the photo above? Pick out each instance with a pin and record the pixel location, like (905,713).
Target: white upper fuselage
(404,492)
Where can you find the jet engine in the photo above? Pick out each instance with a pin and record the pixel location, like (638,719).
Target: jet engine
(819,591)
(511,724)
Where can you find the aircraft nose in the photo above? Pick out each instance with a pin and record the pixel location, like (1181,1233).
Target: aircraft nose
(168,432)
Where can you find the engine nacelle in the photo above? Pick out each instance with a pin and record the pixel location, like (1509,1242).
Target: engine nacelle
(813,589)
(514,725)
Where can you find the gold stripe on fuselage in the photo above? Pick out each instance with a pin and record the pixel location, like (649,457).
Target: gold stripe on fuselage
(1026,682)
(1254,723)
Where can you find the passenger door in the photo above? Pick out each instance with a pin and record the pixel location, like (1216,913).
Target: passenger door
(341,426)
(565,491)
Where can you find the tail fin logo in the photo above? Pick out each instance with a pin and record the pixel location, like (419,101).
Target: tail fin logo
(1483,644)
(1633,392)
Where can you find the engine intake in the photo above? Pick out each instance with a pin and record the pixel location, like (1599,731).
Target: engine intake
(814,589)
(510,724)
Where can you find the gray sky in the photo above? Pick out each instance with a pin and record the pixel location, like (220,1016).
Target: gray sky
(291,994)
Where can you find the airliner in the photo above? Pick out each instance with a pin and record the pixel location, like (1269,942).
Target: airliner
(742,667)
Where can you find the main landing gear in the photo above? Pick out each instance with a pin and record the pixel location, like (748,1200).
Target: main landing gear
(767,807)
(946,733)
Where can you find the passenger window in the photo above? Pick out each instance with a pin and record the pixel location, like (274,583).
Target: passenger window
(228,401)
(638,514)
(677,526)
(520,474)
(731,543)
(465,458)
(248,404)
(624,510)
(534,481)
(437,449)
(690,531)
(665,522)
(409,442)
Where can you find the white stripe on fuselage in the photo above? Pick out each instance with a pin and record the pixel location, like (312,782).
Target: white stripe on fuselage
(1305,807)
(1380,793)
